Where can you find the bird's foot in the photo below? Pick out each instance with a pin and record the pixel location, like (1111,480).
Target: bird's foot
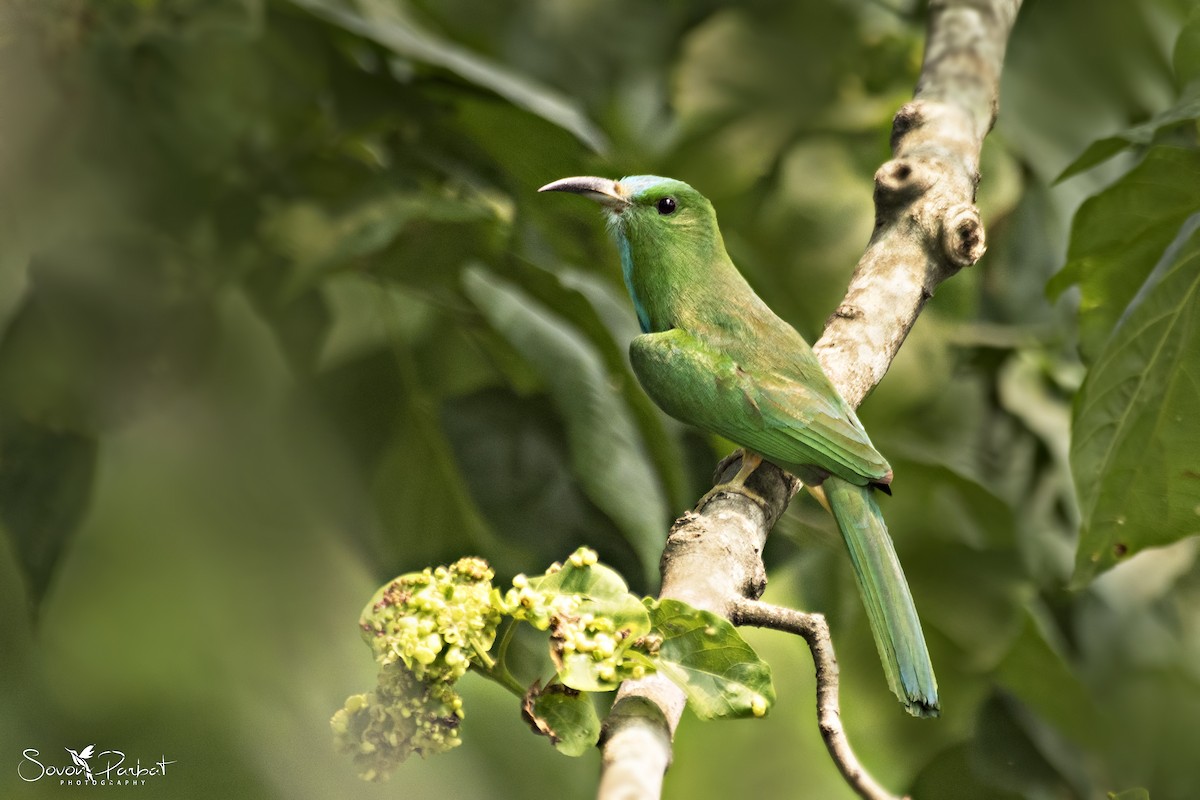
(818,491)
(737,484)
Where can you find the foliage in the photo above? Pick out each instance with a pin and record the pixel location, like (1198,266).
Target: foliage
(282,315)
(427,629)
(1134,255)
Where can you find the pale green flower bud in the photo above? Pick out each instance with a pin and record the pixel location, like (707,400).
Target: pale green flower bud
(417,616)
(402,717)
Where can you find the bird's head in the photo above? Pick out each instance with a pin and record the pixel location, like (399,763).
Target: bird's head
(648,211)
(666,234)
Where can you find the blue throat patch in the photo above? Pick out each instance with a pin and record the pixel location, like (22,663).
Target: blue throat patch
(627,273)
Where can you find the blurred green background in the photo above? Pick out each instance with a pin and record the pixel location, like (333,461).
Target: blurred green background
(283,316)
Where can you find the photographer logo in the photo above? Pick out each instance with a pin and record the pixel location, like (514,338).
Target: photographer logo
(87,767)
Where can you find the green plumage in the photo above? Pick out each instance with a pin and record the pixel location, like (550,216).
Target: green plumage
(885,594)
(714,355)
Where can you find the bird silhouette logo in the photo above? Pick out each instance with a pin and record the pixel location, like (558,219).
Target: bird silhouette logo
(80,758)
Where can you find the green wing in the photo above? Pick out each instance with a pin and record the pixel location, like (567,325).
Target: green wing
(797,421)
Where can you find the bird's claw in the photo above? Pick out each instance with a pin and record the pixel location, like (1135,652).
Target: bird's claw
(737,484)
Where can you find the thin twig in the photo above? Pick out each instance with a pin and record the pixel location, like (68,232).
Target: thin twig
(815,631)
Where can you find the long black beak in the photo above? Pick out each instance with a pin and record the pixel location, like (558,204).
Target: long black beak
(602,190)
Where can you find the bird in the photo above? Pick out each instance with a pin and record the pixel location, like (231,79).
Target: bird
(714,355)
(80,758)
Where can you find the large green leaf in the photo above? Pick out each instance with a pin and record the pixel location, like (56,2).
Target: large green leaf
(1185,109)
(385,24)
(607,452)
(367,315)
(1119,235)
(1135,438)
(708,659)
(607,319)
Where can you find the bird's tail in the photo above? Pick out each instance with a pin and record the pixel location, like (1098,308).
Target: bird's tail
(885,593)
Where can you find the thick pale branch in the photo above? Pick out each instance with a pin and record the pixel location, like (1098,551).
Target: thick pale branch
(926,224)
(713,558)
(927,228)
(637,746)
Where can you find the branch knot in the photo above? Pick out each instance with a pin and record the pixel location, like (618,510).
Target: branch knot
(908,117)
(963,240)
(901,180)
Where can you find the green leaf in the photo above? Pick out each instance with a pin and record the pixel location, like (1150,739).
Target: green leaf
(1119,235)
(1035,672)
(707,658)
(608,454)
(582,672)
(1135,438)
(389,429)
(1021,753)
(630,622)
(46,480)
(1186,109)
(607,319)
(317,240)
(300,323)
(367,315)
(953,775)
(386,24)
(513,454)
(1097,152)
(1187,50)
(111,327)
(1130,794)
(604,594)
(564,715)
(596,581)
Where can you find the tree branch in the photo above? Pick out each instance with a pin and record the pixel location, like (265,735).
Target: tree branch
(926,224)
(713,558)
(926,229)
(815,631)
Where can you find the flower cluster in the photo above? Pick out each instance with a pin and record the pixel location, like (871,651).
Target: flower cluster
(527,603)
(591,650)
(424,629)
(434,621)
(402,716)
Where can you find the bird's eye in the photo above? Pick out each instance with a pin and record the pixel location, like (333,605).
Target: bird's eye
(666,206)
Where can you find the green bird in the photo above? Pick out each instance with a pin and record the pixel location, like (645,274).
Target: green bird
(713,355)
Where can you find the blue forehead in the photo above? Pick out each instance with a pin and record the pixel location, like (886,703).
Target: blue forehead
(636,184)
